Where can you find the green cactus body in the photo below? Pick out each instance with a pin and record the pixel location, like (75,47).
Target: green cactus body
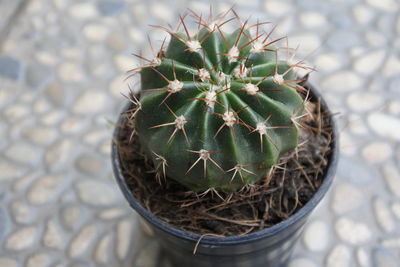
(217,109)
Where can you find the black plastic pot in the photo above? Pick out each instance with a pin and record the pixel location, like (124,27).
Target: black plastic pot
(269,247)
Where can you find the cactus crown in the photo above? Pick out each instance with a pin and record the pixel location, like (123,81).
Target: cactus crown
(217,110)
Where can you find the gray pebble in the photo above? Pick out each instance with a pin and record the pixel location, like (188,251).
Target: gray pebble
(10,68)
(37,76)
(110,8)
(384,258)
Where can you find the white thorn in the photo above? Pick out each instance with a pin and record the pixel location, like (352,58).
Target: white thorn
(278,78)
(227,85)
(175,86)
(238,169)
(212,26)
(156,62)
(251,89)
(233,53)
(241,71)
(229,118)
(261,128)
(204,74)
(291,61)
(295,120)
(257,47)
(211,98)
(222,76)
(204,154)
(163,162)
(193,45)
(180,122)
(224,80)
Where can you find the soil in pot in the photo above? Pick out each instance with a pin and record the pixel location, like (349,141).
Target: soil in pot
(273,199)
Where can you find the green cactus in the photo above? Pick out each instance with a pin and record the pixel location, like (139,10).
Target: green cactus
(217,110)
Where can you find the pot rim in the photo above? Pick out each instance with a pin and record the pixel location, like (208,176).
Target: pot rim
(241,239)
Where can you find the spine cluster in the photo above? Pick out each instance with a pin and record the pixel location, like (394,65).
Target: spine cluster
(216,109)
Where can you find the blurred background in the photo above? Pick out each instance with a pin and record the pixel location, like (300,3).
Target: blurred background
(62,69)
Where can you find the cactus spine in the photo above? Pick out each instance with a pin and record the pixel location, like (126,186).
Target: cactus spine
(217,110)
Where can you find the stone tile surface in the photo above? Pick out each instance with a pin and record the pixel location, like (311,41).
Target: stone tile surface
(62,69)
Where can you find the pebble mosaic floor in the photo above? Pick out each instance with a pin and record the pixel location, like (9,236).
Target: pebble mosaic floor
(62,65)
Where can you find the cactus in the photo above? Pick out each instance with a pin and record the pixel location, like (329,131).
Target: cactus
(217,110)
